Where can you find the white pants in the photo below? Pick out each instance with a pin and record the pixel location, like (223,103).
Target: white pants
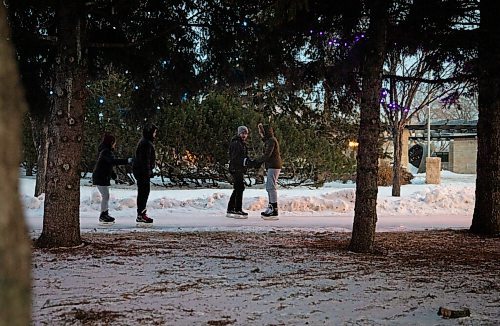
(104,190)
(271,184)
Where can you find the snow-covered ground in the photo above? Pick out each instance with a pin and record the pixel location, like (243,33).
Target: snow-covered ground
(421,206)
(199,267)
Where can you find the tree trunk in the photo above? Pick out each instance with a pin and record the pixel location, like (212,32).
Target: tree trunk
(15,250)
(365,209)
(61,223)
(40,129)
(486,218)
(396,167)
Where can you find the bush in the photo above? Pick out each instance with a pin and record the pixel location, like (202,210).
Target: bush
(385,175)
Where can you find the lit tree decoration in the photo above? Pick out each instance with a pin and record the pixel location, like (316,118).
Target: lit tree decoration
(184,97)
(337,42)
(393,110)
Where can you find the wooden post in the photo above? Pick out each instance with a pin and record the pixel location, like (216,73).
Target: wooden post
(433,170)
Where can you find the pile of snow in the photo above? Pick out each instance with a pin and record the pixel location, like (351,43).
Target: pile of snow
(329,206)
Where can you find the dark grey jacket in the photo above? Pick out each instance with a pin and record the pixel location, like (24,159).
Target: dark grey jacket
(238,152)
(145,156)
(103,171)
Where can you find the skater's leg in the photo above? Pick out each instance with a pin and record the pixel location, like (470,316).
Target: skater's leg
(104,190)
(271,184)
(143,190)
(271,211)
(239,187)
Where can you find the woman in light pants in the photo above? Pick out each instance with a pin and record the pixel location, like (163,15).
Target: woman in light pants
(103,173)
(272,161)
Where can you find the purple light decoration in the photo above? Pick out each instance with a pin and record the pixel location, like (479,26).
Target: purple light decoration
(341,42)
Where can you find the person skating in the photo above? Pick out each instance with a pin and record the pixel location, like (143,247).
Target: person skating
(144,163)
(238,164)
(103,173)
(273,163)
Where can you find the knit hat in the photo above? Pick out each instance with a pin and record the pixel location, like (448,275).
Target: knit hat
(242,129)
(108,139)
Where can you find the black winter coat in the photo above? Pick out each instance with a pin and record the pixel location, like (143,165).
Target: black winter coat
(103,171)
(145,158)
(238,153)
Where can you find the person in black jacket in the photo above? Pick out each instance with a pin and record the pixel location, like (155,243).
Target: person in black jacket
(238,164)
(103,173)
(144,163)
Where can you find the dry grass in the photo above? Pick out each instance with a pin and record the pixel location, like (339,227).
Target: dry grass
(190,265)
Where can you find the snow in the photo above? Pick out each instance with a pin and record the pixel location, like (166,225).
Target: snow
(198,267)
(421,206)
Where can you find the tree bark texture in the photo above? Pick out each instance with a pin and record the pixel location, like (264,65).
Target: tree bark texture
(396,167)
(40,129)
(15,249)
(486,218)
(61,223)
(365,209)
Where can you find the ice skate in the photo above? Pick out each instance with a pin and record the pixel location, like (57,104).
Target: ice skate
(105,219)
(271,213)
(143,220)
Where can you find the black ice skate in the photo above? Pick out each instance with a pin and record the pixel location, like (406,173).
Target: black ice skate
(106,219)
(271,212)
(237,214)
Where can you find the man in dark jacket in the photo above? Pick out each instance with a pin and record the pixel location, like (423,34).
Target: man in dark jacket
(144,163)
(103,173)
(273,163)
(238,164)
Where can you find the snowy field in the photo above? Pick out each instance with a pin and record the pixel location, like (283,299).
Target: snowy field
(198,267)
(420,207)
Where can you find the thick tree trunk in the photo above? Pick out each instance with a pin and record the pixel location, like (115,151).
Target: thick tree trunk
(61,224)
(365,209)
(15,250)
(396,167)
(486,218)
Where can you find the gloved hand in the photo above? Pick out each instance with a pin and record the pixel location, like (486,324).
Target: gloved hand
(251,163)
(130,160)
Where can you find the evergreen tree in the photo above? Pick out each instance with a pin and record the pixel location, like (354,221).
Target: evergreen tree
(486,218)
(75,41)
(15,249)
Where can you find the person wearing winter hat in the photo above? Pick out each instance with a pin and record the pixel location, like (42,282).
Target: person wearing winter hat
(103,173)
(238,164)
(144,163)
(273,164)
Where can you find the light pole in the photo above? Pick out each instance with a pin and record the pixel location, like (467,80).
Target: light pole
(428,130)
